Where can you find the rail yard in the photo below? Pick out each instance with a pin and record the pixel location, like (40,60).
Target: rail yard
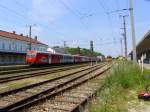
(45,76)
(27,89)
(74,56)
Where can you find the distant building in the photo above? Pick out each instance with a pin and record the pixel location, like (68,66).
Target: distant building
(13,47)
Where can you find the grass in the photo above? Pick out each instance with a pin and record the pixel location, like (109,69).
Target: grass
(121,88)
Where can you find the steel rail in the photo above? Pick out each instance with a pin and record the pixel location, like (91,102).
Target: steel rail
(76,108)
(41,73)
(37,97)
(42,94)
(6,72)
(40,83)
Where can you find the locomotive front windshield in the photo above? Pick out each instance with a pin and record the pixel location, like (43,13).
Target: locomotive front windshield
(31,54)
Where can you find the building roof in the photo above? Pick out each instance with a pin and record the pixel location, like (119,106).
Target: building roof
(20,37)
(144,44)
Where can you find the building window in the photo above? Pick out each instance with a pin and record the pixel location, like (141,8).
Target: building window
(9,46)
(15,47)
(21,48)
(27,48)
(3,45)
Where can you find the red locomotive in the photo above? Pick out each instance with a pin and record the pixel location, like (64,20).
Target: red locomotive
(40,58)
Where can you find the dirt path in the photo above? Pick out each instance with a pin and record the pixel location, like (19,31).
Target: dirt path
(136,105)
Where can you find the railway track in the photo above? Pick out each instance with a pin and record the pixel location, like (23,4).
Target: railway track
(8,78)
(13,67)
(18,99)
(74,100)
(45,81)
(29,68)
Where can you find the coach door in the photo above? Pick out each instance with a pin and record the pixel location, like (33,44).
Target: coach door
(49,59)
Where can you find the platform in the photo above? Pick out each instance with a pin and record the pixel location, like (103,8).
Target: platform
(147,66)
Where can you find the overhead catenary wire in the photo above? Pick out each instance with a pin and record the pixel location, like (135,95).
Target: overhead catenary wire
(117,4)
(71,5)
(20,5)
(24,19)
(95,44)
(76,13)
(50,28)
(82,15)
(73,11)
(45,25)
(20,21)
(68,8)
(106,11)
(13,11)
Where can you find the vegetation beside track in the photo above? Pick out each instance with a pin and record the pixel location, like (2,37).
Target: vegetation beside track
(121,88)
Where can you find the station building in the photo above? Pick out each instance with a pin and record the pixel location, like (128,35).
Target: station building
(143,48)
(13,47)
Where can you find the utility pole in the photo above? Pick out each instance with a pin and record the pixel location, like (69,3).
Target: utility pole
(65,44)
(91,48)
(78,50)
(125,35)
(133,31)
(91,51)
(30,35)
(30,44)
(121,47)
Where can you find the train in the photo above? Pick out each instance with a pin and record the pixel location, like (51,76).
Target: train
(109,59)
(44,58)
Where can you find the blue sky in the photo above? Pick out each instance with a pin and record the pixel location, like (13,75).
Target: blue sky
(75,21)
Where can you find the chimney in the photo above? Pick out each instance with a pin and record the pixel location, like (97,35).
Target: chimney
(21,34)
(14,32)
(35,38)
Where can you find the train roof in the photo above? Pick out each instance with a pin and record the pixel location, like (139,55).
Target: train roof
(61,54)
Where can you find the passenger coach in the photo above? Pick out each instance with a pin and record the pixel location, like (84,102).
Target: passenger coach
(40,58)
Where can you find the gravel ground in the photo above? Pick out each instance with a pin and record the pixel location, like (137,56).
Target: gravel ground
(67,100)
(136,105)
(32,80)
(34,90)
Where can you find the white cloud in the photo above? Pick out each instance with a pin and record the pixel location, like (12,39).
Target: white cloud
(46,10)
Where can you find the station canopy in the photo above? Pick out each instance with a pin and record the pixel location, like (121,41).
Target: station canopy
(144,44)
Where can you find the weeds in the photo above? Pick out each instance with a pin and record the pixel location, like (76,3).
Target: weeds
(125,76)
